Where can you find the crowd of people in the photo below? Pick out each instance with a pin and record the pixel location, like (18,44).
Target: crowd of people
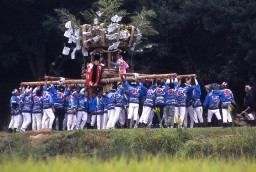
(169,102)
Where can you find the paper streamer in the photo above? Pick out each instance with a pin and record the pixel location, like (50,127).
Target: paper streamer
(68,25)
(116,18)
(66,50)
(113,46)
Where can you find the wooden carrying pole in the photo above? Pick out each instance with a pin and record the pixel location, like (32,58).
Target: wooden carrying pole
(108,80)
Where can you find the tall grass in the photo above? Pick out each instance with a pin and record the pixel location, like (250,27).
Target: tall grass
(123,164)
(195,143)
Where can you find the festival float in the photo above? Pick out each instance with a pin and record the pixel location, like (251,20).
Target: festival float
(102,42)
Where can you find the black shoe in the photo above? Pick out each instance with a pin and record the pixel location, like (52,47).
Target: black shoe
(196,125)
(134,123)
(224,125)
(231,124)
(209,124)
(9,130)
(128,123)
(220,122)
(254,123)
(14,130)
(175,125)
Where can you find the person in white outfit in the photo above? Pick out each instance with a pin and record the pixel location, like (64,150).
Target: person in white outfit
(37,110)
(99,111)
(197,104)
(212,102)
(16,117)
(72,110)
(27,102)
(105,111)
(82,109)
(110,107)
(119,105)
(48,108)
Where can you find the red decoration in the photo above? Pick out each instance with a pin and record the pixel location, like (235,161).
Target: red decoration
(226,92)
(89,71)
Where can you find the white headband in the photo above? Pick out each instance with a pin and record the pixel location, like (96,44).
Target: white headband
(248,87)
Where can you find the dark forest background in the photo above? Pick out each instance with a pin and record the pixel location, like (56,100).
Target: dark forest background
(216,39)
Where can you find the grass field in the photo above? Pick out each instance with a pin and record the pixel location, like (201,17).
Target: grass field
(149,164)
(200,149)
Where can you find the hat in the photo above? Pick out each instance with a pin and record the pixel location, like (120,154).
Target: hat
(14,91)
(74,91)
(224,84)
(82,91)
(248,87)
(28,90)
(117,54)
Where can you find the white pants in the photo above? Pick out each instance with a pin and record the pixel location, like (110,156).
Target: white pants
(193,117)
(36,121)
(198,112)
(150,119)
(64,125)
(226,116)
(133,111)
(145,114)
(48,118)
(26,120)
(99,121)
(93,120)
(105,120)
(116,117)
(16,122)
(211,112)
(122,117)
(111,114)
(180,111)
(81,119)
(169,113)
(249,116)
(71,121)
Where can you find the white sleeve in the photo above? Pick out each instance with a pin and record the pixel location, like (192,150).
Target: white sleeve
(196,81)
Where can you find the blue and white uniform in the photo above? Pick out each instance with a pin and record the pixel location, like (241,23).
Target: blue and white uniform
(135,94)
(16,117)
(170,104)
(181,97)
(37,111)
(197,104)
(119,105)
(160,93)
(213,108)
(92,110)
(148,105)
(82,111)
(99,112)
(110,107)
(27,104)
(71,112)
(226,96)
(48,103)
(105,112)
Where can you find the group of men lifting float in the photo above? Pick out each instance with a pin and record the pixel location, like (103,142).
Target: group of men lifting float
(165,102)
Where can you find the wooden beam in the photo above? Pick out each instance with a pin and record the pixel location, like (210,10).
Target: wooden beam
(106,80)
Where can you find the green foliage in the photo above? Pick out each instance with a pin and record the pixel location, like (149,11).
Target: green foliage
(148,163)
(196,143)
(144,21)
(109,9)
(65,16)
